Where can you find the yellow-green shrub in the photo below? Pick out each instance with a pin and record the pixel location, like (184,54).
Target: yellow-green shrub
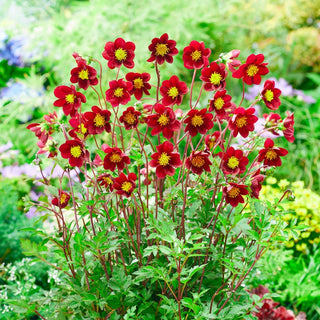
(305,208)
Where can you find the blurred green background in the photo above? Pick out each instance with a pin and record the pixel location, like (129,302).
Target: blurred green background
(38,37)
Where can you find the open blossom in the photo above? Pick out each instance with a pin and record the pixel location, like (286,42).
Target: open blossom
(62,200)
(140,83)
(83,74)
(114,158)
(119,92)
(198,121)
(243,122)
(234,193)
(270,95)
(97,121)
(252,70)
(106,180)
(74,151)
(195,55)
(272,120)
(233,161)
(78,131)
(130,118)
(119,53)
(164,120)
(198,162)
(165,160)
(270,155)
(214,76)
(125,184)
(162,49)
(288,124)
(69,99)
(221,104)
(172,91)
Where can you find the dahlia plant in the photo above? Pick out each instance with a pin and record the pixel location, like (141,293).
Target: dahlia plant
(157,208)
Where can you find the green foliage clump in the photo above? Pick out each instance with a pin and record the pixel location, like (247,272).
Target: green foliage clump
(304,211)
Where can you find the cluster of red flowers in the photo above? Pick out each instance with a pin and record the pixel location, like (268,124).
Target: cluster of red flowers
(166,122)
(270,310)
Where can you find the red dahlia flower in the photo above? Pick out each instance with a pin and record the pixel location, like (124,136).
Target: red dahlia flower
(97,121)
(244,121)
(106,180)
(233,161)
(119,92)
(140,83)
(125,185)
(198,121)
(165,161)
(130,118)
(62,200)
(119,52)
(79,131)
(288,124)
(234,192)
(214,76)
(162,49)
(270,155)
(114,158)
(172,91)
(252,70)
(270,95)
(69,99)
(74,151)
(221,104)
(83,74)
(195,56)
(163,121)
(198,161)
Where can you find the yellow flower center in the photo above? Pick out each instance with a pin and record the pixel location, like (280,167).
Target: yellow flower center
(219,103)
(83,74)
(120,54)
(269,95)
(82,129)
(173,92)
(196,55)
(215,78)
(126,186)
(234,192)
(164,159)
(161,49)
(197,121)
(163,120)
(271,155)
(252,70)
(138,83)
(115,157)
(107,180)
(198,161)
(99,120)
(241,122)
(233,162)
(76,151)
(118,92)
(70,98)
(63,198)
(130,118)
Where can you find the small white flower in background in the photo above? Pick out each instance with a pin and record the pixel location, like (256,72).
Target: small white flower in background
(54,275)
